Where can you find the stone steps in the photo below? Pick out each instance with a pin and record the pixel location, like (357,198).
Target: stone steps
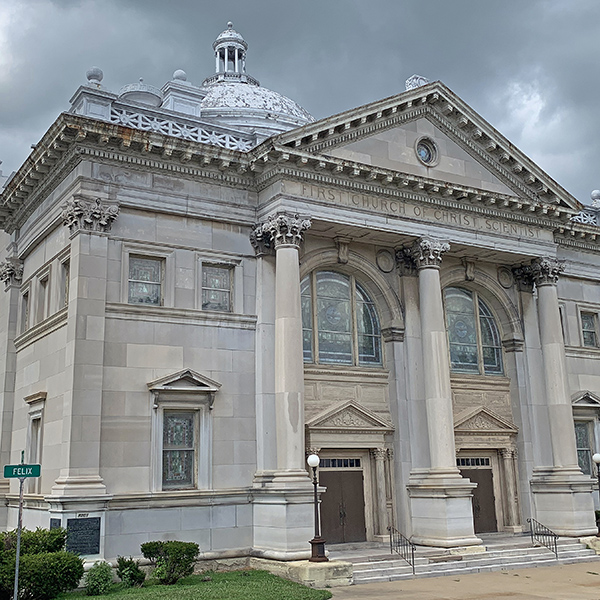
(436,562)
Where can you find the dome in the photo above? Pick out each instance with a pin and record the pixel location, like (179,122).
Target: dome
(229,35)
(252,100)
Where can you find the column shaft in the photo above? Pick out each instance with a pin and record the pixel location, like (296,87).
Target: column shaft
(382,517)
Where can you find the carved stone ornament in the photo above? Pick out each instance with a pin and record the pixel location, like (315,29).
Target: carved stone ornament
(379,453)
(281,229)
(541,271)
(82,215)
(427,252)
(11,272)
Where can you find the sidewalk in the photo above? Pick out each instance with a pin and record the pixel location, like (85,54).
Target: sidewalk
(579,581)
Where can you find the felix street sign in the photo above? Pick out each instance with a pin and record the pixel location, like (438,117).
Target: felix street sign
(22,471)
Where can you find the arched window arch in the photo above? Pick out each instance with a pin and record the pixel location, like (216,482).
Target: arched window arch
(339,321)
(473,335)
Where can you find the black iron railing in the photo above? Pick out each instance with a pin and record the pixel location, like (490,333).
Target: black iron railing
(540,533)
(402,546)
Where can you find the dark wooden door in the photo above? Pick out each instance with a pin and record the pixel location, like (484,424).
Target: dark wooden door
(484,506)
(343,507)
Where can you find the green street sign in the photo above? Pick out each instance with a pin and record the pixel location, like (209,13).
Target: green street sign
(22,470)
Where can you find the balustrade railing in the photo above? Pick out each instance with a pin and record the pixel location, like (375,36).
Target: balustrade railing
(541,534)
(402,546)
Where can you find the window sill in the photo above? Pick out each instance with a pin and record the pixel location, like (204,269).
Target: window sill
(582,352)
(42,329)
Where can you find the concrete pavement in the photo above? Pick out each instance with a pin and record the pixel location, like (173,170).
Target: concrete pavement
(579,581)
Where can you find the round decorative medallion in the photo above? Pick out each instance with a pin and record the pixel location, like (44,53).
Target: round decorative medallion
(505,277)
(426,150)
(385,261)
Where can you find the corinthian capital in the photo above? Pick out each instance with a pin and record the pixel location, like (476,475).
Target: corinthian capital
(280,229)
(79,214)
(541,271)
(427,252)
(11,272)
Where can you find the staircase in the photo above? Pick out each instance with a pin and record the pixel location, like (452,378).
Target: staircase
(373,562)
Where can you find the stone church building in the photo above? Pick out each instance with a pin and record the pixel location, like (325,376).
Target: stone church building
(201,284)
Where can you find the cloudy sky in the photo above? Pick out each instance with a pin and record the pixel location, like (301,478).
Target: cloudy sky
(530,67)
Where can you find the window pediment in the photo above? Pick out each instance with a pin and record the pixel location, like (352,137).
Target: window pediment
(346,416)
(482,419)
(185,385)
(585,399)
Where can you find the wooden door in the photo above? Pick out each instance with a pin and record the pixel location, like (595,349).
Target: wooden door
(343,507)
(484,504)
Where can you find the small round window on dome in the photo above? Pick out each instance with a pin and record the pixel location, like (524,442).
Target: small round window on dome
(427,151)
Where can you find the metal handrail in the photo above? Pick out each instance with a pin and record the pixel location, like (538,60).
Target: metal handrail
(402,546)
(544,536)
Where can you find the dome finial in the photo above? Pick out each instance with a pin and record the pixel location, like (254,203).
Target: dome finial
(229,25)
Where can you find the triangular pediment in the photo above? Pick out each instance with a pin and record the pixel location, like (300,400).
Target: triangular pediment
(483,420)
(348,415)
(586,399)
(185,380)
(382,135)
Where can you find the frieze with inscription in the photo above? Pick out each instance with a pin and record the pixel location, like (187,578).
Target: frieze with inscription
(401,208)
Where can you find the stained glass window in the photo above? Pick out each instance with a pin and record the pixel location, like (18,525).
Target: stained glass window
(339,321)
(216,288)
(473,335)
(589,326)
(145,276)
(584,452)
(178,449)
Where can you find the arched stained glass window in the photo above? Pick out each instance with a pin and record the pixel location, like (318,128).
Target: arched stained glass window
(473,335)
(339,320)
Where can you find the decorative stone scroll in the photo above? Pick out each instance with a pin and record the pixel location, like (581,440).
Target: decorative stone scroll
(280,229)
(427,252)
(11,272)
(541,271)
(82,215)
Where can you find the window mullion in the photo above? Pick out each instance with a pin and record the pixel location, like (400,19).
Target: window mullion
(315,325)
(353,324)
(478,331)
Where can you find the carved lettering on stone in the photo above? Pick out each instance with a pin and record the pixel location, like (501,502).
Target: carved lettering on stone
(83,215)
(11,272)
(427,252)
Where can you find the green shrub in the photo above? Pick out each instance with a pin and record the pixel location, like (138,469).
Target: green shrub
(129,572)
(98,579)
(34,542)
(173,560)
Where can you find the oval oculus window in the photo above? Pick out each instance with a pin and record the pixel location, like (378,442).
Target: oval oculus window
(426,151)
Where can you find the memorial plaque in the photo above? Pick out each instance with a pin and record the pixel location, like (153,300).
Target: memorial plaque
(83,535)
(55,523)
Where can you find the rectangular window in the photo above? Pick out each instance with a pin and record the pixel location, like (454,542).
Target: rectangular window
(216,288)
(145,280)
(64,284)
(583,437)
(179,443)
(42,299)
(24,312)
(589,329)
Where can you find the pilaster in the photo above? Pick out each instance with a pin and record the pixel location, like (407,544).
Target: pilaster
(89,223)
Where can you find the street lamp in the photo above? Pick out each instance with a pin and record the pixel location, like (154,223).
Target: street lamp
(317,543)
(596,459)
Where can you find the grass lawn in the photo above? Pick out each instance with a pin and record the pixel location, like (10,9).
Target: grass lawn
(236,585)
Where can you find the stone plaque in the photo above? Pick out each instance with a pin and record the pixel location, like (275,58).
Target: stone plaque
(54,523)
(83,535)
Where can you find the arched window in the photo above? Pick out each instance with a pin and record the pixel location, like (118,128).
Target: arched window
(473,335)
(339,321)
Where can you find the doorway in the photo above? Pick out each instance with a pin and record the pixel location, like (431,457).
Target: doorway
(343,507)
(484,502)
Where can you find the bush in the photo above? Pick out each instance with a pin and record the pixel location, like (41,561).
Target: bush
(129,572)
(173,560)
(98,579)
(34,542)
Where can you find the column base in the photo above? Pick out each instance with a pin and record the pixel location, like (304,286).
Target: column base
(562,499)
(283,509)
(441,507)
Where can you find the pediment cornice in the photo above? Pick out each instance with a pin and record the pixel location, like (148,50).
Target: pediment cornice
(482,420)
(348,416)
(585,399)
(458,120)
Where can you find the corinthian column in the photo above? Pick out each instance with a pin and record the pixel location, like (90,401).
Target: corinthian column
(562,494)
(438,490)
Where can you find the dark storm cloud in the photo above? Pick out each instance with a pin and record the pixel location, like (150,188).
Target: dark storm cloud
(530,68)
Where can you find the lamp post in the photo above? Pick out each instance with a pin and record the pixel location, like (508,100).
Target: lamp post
(317,543)
(596,459)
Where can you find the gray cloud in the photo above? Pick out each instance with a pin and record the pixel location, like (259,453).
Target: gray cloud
(530,68)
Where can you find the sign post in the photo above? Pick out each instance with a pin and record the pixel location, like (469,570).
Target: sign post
(21,472)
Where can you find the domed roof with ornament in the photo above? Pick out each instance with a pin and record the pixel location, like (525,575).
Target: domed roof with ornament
(237,99)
